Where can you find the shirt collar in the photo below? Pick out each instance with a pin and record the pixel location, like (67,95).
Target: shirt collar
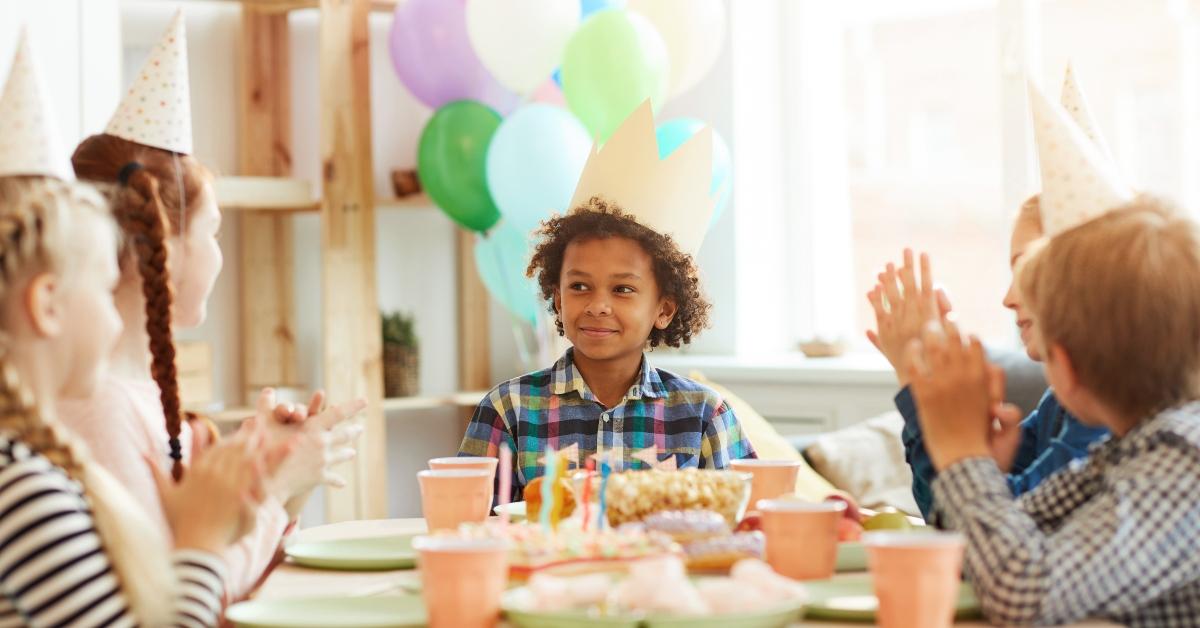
(567,379)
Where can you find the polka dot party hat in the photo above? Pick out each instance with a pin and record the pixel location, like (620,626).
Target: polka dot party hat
(29,141)
(1078,181)
(670,196)
(157,111)
(1076,105)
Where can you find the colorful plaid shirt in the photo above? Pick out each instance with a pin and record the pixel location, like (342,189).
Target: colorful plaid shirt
(554,407)
(1115,536)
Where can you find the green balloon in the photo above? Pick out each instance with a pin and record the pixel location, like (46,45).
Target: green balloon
(452,162)
(613,63)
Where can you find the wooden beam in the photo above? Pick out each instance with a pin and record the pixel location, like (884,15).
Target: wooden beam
(474,346)
(351,341)
(265,150)
(276,194)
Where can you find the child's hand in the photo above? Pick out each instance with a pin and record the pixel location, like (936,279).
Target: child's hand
(903,309)
(302,463)
(214,504)
(953,387)
(1006,424)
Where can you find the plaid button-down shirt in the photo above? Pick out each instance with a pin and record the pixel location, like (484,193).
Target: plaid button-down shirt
(555,407)
(1116,535)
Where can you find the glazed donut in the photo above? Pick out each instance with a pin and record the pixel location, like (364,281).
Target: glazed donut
(720,553)
(686,526)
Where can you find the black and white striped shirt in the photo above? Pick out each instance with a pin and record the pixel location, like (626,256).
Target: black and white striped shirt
(1116,535)
(53,569)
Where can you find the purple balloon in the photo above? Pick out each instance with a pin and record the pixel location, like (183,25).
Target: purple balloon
(434,58)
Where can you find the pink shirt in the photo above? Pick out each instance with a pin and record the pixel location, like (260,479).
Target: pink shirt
(122,423)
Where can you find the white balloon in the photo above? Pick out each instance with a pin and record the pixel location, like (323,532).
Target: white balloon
(522,42)
(694,31)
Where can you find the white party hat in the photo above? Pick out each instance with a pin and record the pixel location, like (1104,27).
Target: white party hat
(29,141)
(1076,105)
(1078,182)
(157,110)
(670,196)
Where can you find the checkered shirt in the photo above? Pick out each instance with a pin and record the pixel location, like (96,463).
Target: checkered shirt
(554,407)
(1115,535)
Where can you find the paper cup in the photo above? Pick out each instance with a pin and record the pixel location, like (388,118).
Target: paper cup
(480,463)
(801,537)
(450,497)
(462,580)
(772,478)
(917,577)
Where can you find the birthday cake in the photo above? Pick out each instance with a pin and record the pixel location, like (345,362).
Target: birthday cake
(535,547)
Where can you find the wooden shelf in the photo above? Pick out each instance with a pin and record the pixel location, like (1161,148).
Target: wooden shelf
(234,416)
(266,194)
(416,201)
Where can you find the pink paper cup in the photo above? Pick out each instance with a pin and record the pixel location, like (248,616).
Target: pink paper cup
(917,577)
(450,497)
(801,537)
(772,478)
(462,580)
(481,463)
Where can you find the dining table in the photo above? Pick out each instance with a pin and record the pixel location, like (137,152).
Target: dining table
(293,581)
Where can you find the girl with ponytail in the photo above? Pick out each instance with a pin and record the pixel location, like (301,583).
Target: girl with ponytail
(94,558)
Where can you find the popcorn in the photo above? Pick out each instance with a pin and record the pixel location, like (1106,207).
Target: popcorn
(635,494)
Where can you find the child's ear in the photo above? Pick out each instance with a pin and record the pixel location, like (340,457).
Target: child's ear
(558,301)
(667,309)
(42,305)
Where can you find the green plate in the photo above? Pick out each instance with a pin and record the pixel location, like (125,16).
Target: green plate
(397,611)
(517,599)
(852,598)
(368,554)
(851,556)
(516,511)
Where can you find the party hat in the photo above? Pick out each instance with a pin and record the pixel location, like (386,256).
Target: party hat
(670,196)
(1078,181)
(1076,105)
(29,142)
(157,110)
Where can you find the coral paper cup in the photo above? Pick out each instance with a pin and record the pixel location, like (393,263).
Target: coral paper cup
(772,478)
(917,576)
(481,463)
(801,537)
(450,497)
(462,580)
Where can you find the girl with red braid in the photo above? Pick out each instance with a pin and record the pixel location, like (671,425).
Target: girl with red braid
(163,201)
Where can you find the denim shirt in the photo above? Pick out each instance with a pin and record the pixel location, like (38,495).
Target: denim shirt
(1050,439)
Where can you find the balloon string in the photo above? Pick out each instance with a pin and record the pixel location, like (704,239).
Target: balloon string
(514,322)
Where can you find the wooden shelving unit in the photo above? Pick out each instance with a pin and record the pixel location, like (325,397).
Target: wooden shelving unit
(266,197)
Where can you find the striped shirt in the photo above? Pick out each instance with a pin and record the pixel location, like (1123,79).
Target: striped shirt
(554,407)
(1116,535)
(53,569)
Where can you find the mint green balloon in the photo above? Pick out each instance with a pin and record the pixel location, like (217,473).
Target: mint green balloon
(612,64)
(452,162)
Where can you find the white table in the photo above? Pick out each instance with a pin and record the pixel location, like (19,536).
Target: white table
(292,581)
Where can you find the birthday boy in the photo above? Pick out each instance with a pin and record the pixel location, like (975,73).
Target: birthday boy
(619,273)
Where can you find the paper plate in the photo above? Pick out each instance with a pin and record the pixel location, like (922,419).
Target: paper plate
(396,611)
(515,603)
(851,556)
(367,554)
(516,510)
(852,598)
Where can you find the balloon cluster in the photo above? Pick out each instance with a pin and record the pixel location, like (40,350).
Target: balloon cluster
(519,92)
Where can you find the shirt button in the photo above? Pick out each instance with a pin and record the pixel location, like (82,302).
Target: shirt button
(605,417)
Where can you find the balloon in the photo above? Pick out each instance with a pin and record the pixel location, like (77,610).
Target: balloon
(673,133)
(451,162)
(534,162)
(613,63)
(549,93)
(521,42)
(434,59)
(693,30)
(501,257)
(589,7)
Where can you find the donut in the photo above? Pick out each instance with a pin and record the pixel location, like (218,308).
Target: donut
(686,526)
(720,553)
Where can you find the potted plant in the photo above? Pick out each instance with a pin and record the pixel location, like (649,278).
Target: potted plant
(400,363)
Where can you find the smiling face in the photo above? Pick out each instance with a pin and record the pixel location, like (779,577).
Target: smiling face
(196,261)
(1027,229)
(608,298)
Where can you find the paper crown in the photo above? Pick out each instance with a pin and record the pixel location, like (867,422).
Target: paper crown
(670,196)
(1076,105)
(157,110)
(29,141)
(1078,181)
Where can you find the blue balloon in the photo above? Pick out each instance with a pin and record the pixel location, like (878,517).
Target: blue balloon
(557,77)
(533,163)
(588,7)
(673,133)
(501,256)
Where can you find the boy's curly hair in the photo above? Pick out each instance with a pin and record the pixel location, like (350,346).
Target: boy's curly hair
(675,272)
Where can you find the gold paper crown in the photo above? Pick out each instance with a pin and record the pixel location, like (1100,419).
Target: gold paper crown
(670,196)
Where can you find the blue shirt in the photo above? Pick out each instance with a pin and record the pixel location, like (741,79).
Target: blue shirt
(1050,439)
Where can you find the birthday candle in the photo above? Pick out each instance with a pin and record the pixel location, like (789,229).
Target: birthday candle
(505,482)
(548,488)
(587,492)
(605,470)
